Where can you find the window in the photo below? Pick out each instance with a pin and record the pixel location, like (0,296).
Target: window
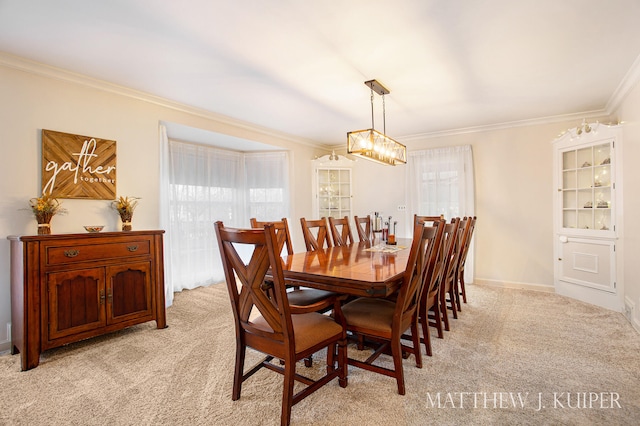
(206,184)
(440,182)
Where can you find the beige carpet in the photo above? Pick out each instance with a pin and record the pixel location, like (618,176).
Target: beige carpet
(506,343)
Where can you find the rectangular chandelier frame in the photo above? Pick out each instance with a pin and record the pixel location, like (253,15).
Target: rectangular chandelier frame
(375,146)
(370,143)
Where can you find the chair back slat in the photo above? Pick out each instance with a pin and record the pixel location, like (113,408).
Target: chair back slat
(428,219)
(466,243)
(319,241)
(341,231)
(450,264)
(282,232)
(363,226)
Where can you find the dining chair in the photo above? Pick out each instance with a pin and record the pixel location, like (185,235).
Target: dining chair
(384,321)
(319,241)
(427,219)
(446,291)
(464,250)
(340,231)
(430,294)
(299,296)
(363,226)
(276,332)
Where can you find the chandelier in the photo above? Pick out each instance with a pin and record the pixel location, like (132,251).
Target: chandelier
(370,143)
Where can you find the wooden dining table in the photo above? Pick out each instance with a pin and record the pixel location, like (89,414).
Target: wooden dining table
(360,269)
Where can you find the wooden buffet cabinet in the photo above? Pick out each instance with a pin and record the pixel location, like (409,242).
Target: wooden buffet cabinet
(69,287)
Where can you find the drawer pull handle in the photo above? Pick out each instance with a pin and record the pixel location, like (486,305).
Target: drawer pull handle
(132,248)
(71,253)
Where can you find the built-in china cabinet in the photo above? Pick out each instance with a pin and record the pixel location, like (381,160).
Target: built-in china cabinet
(332,193)
(587,218)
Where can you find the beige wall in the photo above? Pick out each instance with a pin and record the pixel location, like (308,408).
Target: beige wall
(513,174)
(31,102)
(514,197)
(629,114)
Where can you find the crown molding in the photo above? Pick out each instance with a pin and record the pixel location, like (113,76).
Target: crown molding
(627,84)
(48,71)
(506,125)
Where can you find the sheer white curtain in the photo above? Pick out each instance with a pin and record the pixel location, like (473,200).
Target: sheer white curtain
(441,182)
(267,181)
(203,184)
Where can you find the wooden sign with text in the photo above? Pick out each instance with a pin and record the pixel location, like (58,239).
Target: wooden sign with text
(75,166)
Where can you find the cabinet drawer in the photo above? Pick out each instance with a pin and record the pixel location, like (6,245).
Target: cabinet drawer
(58,255)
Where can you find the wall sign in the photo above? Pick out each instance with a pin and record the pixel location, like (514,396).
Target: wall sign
(75,166)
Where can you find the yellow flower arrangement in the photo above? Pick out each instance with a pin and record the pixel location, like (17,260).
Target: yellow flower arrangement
(125,207)
(44,208)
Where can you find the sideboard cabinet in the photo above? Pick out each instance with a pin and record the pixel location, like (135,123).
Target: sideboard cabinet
(69,287)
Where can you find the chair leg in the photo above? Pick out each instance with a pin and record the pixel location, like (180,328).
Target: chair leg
(237,375)
(342,363)
(457,293)
(437,319)
(416,342)
(426,334)
(308,361)
(454,305)
(360,344)
(462,290)
(287,392)
(396,351)
(443,310)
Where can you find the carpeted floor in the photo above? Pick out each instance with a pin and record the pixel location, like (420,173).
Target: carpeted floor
(513,357)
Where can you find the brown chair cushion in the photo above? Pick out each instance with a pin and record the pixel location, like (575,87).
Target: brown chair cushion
(308,329)
(370,313)
(307,296)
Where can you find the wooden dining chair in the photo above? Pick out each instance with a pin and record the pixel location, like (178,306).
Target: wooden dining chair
(429,220)
(363,226)
(299,296)
(430,294)
(446,292)
(464,250)
(276,332)
(340,231)
(385,321)
(321,239)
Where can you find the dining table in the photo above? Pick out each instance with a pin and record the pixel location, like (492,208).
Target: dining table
(362,269)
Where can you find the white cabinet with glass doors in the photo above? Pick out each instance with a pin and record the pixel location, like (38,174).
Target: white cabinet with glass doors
(587,209)
(332,190)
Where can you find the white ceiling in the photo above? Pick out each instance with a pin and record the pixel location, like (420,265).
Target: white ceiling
(298,66)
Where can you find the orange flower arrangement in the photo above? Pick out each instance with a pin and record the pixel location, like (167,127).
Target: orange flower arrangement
(125,207)
(44,208)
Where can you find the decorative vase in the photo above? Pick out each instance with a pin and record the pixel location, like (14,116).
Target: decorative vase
(44,228)
(126,221)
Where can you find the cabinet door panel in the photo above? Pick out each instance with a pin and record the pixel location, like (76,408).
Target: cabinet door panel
(129,292)
(588,263)
(74,302)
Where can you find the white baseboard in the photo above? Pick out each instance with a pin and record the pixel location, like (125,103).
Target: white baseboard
(631,314)
(5,345)
(515,285)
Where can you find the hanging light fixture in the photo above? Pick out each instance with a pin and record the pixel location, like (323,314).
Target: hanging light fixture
(370,143)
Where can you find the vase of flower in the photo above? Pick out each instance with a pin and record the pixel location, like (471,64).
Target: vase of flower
(125,207)
(44,208)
